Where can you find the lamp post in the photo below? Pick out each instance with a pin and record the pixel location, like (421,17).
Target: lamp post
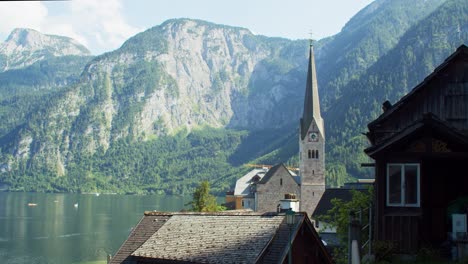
(290,215)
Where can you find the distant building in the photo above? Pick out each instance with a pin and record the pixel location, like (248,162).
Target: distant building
(262,189)
(226,237)
(271,189)
(243,196)
(420,148)
(266,190)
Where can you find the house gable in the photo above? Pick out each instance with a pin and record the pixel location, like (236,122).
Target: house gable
(274,185)
(420,148)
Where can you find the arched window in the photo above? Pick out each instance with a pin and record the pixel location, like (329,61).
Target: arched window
(313,154)
(316,154)
(310,154)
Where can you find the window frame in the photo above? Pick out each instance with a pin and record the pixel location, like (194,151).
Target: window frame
(402,185)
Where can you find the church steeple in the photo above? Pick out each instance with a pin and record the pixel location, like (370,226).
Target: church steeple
(311,100)
(311,144)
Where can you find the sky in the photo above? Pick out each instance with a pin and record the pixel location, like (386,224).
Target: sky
(104,25)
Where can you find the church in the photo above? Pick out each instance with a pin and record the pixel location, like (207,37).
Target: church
(264,190)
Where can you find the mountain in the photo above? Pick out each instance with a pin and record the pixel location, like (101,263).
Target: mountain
(369,35)
(182,76)
(33,66)
(190,100)
(26,46)
(422,48)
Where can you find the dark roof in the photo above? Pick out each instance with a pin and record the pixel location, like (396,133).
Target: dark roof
(428,121)
(325,203)
(461,51)
(311,99)
(144,229)
(224,237)
(279,168)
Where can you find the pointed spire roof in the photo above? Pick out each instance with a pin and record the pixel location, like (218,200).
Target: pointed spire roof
(311,100)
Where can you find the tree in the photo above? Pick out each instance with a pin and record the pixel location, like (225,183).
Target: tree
(339,217)
(203,201)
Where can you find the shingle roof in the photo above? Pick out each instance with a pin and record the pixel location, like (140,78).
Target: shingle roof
(145,228)
(224,237)
(211,238)
(277,250)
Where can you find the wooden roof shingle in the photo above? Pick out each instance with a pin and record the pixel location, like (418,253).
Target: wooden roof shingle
(222,237)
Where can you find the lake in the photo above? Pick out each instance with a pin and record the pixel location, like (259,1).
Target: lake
(57,231)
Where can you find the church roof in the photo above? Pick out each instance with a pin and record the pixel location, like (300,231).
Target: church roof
(311,100)
(279,168)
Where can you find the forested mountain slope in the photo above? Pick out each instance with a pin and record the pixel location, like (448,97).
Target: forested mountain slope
(422,48)
(190,100)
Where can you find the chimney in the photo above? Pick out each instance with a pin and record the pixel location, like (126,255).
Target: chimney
(289,202)
(386,106)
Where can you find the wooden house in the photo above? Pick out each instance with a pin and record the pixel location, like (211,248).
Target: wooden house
(224,237)
(420,148)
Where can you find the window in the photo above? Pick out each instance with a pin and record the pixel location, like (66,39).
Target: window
(316,154)
(281,181)
(403,184)
(310,154)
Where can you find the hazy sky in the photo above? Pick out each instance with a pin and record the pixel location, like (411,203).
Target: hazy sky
(103,25)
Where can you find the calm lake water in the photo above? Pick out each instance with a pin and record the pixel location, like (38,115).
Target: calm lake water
(55,231)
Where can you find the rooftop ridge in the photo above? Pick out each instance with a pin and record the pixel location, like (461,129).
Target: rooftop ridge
(245,212)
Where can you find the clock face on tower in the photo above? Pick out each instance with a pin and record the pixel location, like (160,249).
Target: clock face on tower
(313,137)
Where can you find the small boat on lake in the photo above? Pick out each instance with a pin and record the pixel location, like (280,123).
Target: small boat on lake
(32,204)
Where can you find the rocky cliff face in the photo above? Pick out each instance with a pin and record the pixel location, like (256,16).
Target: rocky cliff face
(178,76)
(189,74)
(26,46)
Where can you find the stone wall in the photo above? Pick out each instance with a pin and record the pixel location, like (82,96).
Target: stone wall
(270,192)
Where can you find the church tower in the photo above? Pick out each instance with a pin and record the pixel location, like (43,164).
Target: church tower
(311,144)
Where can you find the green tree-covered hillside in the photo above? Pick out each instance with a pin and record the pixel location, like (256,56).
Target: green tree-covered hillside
(189,100)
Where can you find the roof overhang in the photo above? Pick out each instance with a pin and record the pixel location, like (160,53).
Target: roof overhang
(429,123)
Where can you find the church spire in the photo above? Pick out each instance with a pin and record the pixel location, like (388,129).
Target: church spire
(311,100)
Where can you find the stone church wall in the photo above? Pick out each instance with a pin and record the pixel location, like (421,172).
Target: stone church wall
(272,191)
